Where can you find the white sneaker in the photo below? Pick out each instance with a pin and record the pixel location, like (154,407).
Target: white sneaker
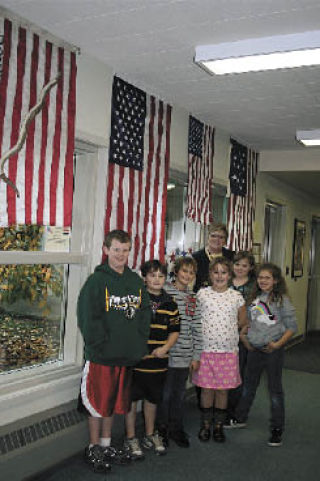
(154,441)
(132,446)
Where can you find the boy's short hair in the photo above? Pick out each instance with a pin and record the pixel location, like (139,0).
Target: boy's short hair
(222,261)
(117,234)
(185,261)
(218,226)
(153,266)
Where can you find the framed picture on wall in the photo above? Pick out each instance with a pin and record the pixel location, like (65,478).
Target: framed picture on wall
(298,245)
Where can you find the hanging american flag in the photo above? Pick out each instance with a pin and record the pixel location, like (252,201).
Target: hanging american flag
(138,170)
(242,202)
(43,169)
(200,171)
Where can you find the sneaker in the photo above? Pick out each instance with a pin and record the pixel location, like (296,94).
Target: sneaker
(94,455)
(233,423)
(180,438)
(154,441)
(116,456)
(205,432)
(218,434)
(276,437)
(132,446)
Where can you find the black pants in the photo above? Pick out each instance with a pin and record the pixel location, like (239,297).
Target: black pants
(257,362)
(170,411)
(234,395)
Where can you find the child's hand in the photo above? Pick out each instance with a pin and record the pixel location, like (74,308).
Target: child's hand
(160,352)
(194,365)
(272,346)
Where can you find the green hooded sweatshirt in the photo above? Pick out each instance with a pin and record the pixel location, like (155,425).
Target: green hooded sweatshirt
(114,317)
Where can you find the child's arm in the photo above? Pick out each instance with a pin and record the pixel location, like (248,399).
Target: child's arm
(243,324)
(163,350)
(274,345)
(288,318)
(197,338)
(242,317)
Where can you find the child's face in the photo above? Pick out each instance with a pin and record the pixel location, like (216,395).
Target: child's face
(266,281)
(241,268)
(154,282)
(185,276)
(118,254)
(220,277)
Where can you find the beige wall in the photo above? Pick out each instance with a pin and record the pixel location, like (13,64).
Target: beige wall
(302,207)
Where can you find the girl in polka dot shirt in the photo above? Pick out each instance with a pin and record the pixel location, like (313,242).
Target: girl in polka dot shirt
(223,312)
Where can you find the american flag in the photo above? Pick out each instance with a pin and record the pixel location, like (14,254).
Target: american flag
(242,202)
(136,199)
(200,171)
(43,169)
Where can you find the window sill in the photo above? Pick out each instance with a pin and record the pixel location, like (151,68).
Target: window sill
(34,390)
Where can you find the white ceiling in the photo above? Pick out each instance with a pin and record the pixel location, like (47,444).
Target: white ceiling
(151,43)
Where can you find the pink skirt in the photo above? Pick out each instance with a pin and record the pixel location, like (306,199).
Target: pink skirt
(218,370)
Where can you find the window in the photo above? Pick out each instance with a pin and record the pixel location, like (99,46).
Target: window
(32,310)
(42,270)
(182,234)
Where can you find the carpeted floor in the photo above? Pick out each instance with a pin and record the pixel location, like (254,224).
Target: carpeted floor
(305,356)
(244,457)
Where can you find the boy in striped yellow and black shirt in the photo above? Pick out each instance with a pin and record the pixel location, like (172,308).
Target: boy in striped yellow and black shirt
(150,373)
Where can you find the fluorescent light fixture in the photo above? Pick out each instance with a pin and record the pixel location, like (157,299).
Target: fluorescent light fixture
(265,53)
(171,186)
(309,138)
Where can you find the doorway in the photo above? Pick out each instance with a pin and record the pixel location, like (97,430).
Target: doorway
(274,233)
(313,310)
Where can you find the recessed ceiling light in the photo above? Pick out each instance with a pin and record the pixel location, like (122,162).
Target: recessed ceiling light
(265,53)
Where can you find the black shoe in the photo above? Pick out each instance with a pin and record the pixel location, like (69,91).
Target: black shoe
(94,455)
(233,423)
(218,434)
(180,438)
(204,433)
(276,437)
(163,432)
(117,456)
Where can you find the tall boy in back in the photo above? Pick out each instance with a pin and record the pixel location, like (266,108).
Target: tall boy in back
(114,318)
(150,373)
(185,354)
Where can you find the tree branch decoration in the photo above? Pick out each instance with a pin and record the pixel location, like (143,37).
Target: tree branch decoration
(24,131)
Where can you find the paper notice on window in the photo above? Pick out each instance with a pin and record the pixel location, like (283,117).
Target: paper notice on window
(56,239)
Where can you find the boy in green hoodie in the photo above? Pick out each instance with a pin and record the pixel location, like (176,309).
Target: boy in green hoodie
(114,319)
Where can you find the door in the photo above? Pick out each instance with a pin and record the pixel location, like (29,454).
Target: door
(313,313)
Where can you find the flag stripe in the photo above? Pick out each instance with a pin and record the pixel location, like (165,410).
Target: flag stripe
(241,209)
(135,199)
(43,168)
(200,173)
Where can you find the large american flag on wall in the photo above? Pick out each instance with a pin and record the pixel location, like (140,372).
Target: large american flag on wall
(43,169)
(138,170)
(242,202)
(200,171)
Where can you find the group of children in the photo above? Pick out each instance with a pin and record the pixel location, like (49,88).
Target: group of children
(143,340)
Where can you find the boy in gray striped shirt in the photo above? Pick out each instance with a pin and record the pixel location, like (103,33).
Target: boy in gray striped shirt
(183,356)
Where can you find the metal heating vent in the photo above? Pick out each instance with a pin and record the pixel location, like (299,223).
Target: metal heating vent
(22,437)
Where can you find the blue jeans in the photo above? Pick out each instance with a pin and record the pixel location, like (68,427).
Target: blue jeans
(170,411)
(257,362)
